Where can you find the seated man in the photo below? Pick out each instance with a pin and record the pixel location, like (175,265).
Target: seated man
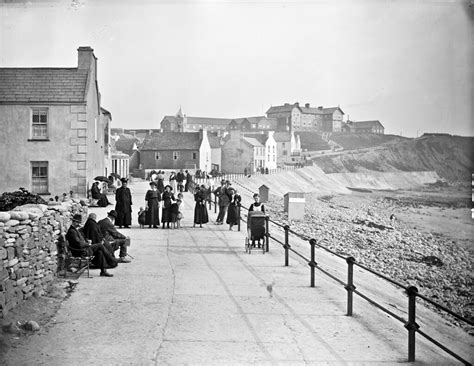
(114,237)
(78,246)
(92,232)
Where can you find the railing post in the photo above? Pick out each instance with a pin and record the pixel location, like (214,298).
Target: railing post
(411,325)
(215,204)
(287,245)
(312,263)
(238,217)
(267,233)
(350,283)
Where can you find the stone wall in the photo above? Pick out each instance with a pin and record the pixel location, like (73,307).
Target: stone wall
(28,249)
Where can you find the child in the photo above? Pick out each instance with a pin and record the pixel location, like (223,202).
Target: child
(176,214)
(142,217)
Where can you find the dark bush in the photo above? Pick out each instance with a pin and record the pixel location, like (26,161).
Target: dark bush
(10,200)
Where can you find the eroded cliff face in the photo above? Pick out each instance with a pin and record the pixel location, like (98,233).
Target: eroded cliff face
(449,156)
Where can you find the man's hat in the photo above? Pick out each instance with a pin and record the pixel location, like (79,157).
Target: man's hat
(228,182)
(124,180)
(171,188)
(77,218)
(152,184)
(112,213)
(222,181)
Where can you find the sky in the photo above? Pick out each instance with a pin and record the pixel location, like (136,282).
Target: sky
(405,63)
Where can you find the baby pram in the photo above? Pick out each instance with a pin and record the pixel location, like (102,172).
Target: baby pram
(255,231)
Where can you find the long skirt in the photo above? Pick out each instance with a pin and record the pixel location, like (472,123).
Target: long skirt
(232,214)
(153,213)
(166,214)
(200,214)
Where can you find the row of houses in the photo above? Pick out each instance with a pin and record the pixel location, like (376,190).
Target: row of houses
(235,152)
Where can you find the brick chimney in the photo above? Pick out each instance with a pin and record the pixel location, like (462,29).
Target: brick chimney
(85,57)
(320,107)
(306,105)
(297,104)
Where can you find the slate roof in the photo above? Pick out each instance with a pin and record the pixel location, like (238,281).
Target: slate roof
(260,137)
(331,110)
(125,143)
(214,141)
(43,85)
(172,141)
(282,136)
(281,108)
(207,121)
(252,141)
(364,124)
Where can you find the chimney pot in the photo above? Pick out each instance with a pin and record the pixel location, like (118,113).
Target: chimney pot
(307,105)
(297,104)
(320,107)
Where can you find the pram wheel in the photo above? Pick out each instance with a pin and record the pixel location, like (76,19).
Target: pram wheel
(247,245)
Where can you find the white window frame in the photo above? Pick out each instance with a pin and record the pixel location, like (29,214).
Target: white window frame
(39,177)
(39,129)
(157,155)
(175,155)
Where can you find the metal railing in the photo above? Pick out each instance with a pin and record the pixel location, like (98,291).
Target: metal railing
(411,291)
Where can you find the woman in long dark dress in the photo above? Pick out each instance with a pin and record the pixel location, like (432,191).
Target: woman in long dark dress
(168,199)
(200,210)
(153,198)
(123,205)
(233,209)
(160,178)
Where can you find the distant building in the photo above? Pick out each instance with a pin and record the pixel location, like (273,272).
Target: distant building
(288,148)
(171,150)
(182,123)
(267,140)
(240,153)
(253,124)
(364,127)
(54,134)
(293,117)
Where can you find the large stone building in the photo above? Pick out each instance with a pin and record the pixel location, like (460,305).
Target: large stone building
(241,153)
(54,134)
(293,117)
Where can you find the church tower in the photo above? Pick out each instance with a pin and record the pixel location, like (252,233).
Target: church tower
(179,120)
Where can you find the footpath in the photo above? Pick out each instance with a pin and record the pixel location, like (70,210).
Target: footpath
(194,297)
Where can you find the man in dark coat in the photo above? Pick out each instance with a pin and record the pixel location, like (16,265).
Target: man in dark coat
(113,237)
(180,179)
(224,201)
(189,179)
(79,247)
(123,206)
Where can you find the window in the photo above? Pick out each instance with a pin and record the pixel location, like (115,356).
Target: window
(175,155)
(194,155)
(157,155)
(39,123)
(285,152)
(39,177)
(283,144)
(273,148)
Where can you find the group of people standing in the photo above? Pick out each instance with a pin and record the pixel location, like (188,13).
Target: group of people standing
(163,196)
(171,206)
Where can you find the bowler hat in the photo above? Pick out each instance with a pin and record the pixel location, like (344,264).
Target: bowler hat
(77,218)
(124,180)
(112,213)
(152,184)
(171,188)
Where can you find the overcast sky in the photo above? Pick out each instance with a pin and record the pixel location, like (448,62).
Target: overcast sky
(405,63)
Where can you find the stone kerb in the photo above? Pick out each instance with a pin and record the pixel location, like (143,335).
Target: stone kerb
(28,248)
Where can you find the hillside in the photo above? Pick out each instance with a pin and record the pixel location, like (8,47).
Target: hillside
(352,141)
(449,156)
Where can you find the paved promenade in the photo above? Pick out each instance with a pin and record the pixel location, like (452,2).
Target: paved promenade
(194,297)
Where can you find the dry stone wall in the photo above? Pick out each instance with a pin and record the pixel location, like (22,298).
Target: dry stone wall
(28,249)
